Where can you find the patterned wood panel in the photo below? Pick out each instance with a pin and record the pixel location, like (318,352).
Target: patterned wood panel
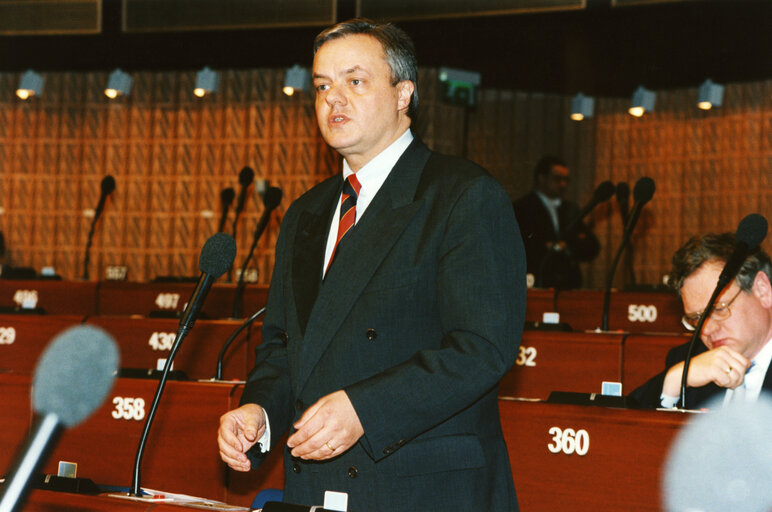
(171,154)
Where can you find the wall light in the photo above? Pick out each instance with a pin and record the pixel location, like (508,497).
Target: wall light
(582,107)
(118,84)
(296,79)
(711,95)
(207,82)
(30,84)
(643,101)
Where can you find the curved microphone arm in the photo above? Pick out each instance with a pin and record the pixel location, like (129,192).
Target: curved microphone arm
(231,339)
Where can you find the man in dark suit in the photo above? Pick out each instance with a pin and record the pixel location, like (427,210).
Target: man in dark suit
(382,352)
(733,360)
(555,239)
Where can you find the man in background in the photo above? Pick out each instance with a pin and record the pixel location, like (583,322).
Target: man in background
(734,356)
(555,239)
(396,305)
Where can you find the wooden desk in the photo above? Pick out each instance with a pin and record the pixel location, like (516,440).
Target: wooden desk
(538,302)
(638,312)
(181,454)
(143,341)
(16,416)
(23,338)
(563,361)
(54,297)
(615,462)
(127,298)
(51,501)
(645,357)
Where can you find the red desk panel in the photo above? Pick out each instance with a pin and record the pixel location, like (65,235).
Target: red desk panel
(127,298)
(622,452)
(538,302)
(181,454)
(23,338)
(16,416)
(645,357)
(143,341)
(54,297)
(563,361)
(640,312)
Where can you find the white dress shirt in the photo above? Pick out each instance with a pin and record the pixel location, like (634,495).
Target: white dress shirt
(552,206)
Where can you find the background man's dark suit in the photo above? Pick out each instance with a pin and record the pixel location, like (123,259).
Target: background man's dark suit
(556,269)
(418,318)
(648,394)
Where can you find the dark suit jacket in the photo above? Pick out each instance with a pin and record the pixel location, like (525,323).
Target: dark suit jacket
(554,269)
(418,318)
(648,394)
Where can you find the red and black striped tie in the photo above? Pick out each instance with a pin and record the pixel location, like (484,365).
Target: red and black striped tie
(348,211)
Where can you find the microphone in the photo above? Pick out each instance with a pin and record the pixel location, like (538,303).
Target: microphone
(642,194)
(721,460)
(602,193)
(229,341)
(751,231)
(623,199)
(226,198)
(271,199)
(72,378)
(245,179)
(107,187)
(216,258)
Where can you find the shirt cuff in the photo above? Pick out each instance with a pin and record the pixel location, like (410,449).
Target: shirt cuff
(665,401)
(265,441)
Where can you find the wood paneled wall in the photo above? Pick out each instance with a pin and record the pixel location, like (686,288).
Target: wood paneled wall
(172,153)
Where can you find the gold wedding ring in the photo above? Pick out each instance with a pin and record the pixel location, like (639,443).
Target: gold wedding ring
(327,444)
(729,371)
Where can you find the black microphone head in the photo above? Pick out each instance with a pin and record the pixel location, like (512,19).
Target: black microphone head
(217,255)
(246,176)
(272,197)
(623,192)
(108,185)
(603,192)
(75,373)
(752,230)
(227,195)
(643,190)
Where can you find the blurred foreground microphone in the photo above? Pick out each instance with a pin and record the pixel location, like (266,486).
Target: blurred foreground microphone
(226,198)
(107,187)
(602,193)
(72,378)
(722,461)
(271,199)
(751,231)
(216,258)
(642,194)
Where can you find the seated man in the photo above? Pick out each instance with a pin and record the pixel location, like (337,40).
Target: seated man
(736,350)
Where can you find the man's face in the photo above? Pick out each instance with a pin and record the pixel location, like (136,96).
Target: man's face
(360,113)
(746,330)
(554,183)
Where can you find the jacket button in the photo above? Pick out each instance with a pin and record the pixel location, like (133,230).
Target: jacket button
(284,337)
(299,404)
(388,450)
(353,472)
(296,467)
(371,334)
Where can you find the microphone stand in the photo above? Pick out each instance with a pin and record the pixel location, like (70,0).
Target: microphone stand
(230,340)
(693,341)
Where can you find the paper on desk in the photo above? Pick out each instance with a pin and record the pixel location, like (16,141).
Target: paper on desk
(155,496)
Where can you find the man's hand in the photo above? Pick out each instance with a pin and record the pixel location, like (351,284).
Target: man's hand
(239,431)
(721,365)
(327,428)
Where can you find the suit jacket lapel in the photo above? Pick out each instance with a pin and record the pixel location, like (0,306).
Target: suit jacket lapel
(309,247)
(357,260)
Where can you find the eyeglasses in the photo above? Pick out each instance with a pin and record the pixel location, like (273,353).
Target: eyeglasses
(720,312)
